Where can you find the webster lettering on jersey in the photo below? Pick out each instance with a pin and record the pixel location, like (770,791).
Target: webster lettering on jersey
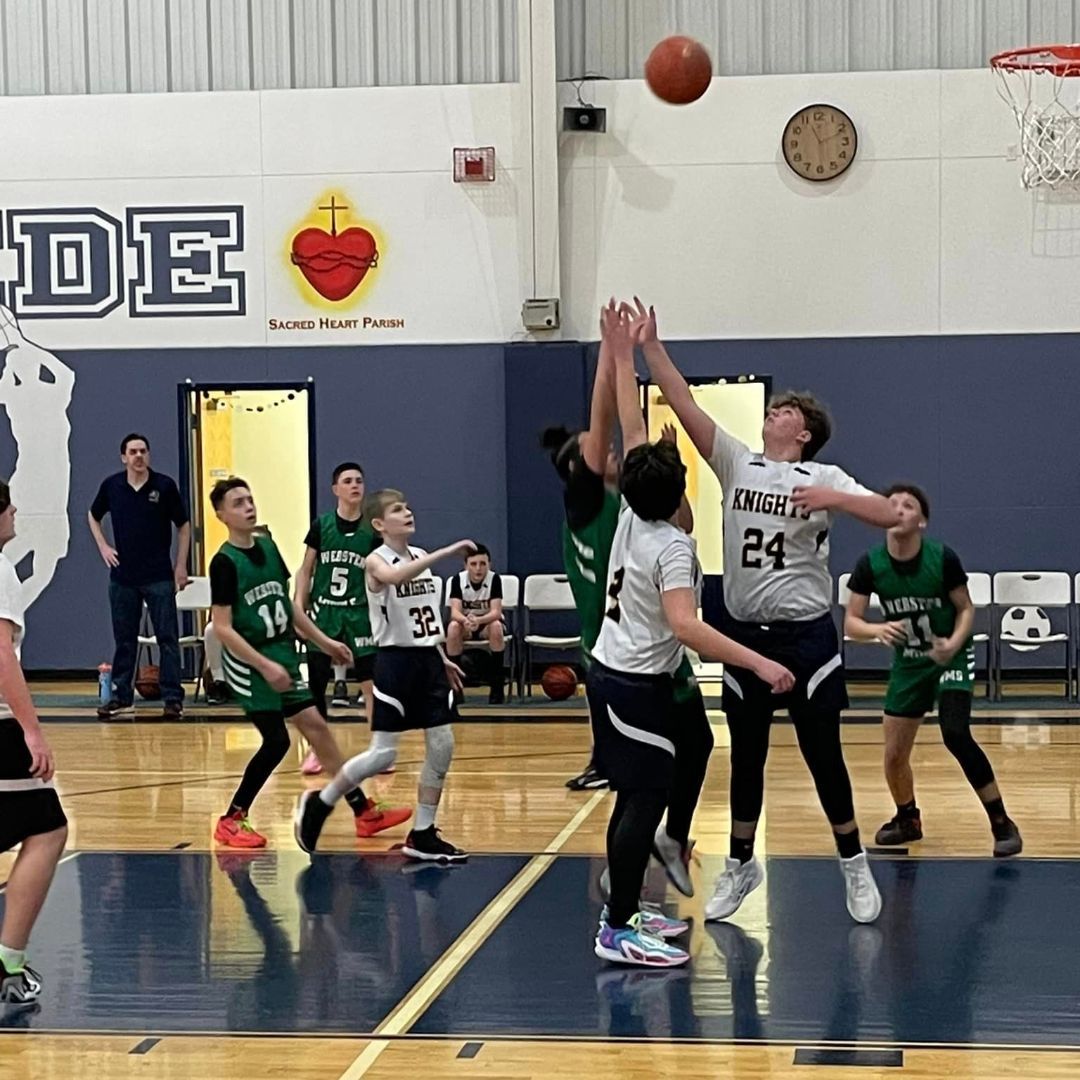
(348,557)
(908,605)
(261,592)
(417,587)
(753,501)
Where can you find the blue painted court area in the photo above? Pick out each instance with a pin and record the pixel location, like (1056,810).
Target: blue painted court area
(966,952)
(269,942)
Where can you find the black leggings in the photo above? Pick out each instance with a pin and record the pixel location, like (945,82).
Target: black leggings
(693,744)
(275,745)
(954,715)
(818,733)
(320,672)
(630,835)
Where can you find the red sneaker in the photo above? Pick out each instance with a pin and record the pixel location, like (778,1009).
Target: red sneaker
(234,830)
(377,817)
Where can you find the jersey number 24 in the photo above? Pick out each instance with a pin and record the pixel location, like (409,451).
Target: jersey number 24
(756,549)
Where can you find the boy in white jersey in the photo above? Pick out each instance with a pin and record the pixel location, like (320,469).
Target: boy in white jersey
(654,586)
(414,683)
(476,614)
(30,812)
(778,510)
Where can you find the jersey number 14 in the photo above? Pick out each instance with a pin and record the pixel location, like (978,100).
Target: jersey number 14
(275,623)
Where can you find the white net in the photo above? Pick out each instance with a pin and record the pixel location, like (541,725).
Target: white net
(1042,88)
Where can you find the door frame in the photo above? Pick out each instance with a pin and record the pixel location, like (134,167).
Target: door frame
(186,427)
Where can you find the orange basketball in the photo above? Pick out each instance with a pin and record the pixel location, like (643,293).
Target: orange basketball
(147,682)
(678,70)
(559,682)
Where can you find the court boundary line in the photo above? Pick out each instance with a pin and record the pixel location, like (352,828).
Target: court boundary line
(415,1003)
(458,1037)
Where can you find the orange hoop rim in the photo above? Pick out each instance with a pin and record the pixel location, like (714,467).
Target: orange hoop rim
(1062,61)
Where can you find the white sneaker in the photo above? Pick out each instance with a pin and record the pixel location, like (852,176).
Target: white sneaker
(733,886)
(863,898)
(676,862)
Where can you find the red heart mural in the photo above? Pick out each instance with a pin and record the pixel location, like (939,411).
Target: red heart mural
(334,265)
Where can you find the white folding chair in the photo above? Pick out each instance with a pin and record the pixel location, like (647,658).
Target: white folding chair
(1032,592)
(543,592)
(194,599)
(843,595)
(980,588)
(511,591)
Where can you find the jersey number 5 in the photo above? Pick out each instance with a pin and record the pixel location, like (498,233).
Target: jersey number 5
(424,618)
(754,545)
(613,611)
(339,581)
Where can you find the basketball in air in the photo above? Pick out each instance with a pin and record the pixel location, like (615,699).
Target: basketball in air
(559,682)
(678,70)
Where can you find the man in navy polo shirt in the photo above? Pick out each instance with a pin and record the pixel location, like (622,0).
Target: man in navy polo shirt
(144,505)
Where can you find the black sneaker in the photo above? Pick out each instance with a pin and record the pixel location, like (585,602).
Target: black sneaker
(341,693)
(589,780)
(1007,839)
(310,816)
(429,846)
(113,710)
(174,710)
(900,830)
(22,988)
(497,695)
(216,690)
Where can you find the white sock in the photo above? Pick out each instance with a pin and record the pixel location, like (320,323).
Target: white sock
(14,960)
(340,671)
(425,816)
(218,674)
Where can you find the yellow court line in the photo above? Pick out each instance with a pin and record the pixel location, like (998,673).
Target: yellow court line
(409,1009)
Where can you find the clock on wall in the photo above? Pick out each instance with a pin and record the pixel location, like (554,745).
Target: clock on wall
(819,142)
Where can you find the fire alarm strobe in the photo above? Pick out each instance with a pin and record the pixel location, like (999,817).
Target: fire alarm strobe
(474,164)
(540,314)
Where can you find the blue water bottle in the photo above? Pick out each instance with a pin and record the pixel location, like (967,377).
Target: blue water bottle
(105,683)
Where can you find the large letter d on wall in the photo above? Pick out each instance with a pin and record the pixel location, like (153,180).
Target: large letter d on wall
(70,263)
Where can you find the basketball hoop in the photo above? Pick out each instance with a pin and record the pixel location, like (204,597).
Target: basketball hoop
(1041,84)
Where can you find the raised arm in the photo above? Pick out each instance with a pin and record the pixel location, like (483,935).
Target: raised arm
(698,424)
(617,331)
(596,440)
(838,492)
(383,574)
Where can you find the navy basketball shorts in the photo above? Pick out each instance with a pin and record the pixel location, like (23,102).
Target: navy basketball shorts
(809,650)
(633,727)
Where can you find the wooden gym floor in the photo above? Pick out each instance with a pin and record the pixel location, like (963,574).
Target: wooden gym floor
(166,959)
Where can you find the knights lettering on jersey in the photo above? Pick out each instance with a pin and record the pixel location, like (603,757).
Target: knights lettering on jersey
(648,558)
(776,557)
(409,614)
(475,599)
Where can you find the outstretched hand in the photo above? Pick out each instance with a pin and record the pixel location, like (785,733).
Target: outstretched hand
(642,322)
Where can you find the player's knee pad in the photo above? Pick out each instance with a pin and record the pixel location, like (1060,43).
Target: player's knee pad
(439,745)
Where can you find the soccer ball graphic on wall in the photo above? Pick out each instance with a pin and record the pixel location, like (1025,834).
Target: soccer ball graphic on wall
(35,392)
(1025,622)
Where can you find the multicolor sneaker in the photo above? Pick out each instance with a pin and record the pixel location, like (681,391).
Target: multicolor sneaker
(378,817)
(1007,839)
(312,765)
(234,830)
(899,830)
(631,944)
(341,694)
(655,922)
(589,780)
(21,987)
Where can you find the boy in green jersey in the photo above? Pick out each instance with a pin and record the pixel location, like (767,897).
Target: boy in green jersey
(922,588)
(257,624)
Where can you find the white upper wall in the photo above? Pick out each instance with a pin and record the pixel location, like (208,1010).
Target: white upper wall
(928,232)
(454,260)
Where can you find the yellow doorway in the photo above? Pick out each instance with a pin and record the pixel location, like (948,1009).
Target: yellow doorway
(264,434)
(738,406)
